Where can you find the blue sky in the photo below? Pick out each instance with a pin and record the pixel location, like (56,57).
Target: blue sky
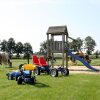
(28,20)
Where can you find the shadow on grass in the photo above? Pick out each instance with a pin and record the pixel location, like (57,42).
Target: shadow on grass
(41,85)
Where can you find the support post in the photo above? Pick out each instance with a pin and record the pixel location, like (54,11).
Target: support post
(63,51)
(48,51)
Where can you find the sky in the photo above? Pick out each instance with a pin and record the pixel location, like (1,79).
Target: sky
(28,20)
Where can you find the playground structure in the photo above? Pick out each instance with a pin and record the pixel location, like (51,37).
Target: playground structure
(62,47)
(58,46)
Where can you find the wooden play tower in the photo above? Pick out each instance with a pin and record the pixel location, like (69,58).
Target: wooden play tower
(54,46)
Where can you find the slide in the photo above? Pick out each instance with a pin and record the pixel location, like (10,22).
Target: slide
(81,60)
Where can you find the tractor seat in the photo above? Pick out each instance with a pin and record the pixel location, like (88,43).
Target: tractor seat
(27,74)
(35,60)
(42,62)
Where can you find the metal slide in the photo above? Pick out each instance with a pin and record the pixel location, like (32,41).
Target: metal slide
(81,60)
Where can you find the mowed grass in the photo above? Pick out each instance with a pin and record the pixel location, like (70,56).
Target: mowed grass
(72,87)
(94,62)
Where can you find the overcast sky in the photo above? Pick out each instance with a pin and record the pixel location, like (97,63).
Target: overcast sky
(28,20)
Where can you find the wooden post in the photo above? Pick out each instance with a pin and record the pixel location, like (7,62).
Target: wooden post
(48,51)
(63,49)
(66,52)
(52,46)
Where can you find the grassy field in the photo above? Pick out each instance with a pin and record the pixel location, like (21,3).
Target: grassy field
(72,87)
(94,62)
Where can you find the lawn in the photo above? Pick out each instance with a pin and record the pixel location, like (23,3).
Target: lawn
(72,87)
(94,62)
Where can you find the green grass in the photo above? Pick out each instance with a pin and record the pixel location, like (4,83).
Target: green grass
(73,87)
(94,62)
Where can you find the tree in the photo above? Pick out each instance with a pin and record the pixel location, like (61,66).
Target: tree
(43,48)
(97,54)
(4,46)
(19,49)
(79,43)
(27,50)
(11,46)
(90,44)
(76,44)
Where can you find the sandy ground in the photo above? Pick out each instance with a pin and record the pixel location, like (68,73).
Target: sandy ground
(82,69)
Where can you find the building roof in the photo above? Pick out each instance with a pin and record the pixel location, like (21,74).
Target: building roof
(57,30)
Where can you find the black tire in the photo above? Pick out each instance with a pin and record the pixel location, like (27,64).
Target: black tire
(65,72)
(48,70)
(37,71)
(33,80)
(54,72)
(19,80)
(10,77)
(16,78)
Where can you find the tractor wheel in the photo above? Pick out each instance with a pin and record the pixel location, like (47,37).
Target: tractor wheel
(16,78)
(48,71)
(65,72)
(37,71)
(19,80)
(33,80)
(54,72)
(10,77)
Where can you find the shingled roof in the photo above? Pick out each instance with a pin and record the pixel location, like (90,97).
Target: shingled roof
(57,30)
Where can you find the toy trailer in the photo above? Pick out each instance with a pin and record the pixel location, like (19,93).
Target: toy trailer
(41,65)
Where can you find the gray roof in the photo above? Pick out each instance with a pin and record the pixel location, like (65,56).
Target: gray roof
(57,30)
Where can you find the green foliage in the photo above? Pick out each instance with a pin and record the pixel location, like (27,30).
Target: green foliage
(79,43)
(19,49)
(90,44)
(27,50)
(76,44)
(4,46)
(97,53)
(43,47)
(12,47)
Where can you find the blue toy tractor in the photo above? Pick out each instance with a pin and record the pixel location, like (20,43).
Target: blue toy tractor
(26,77)
(13,75)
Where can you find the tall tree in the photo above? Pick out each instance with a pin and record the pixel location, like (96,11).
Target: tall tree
(11,46)
(43,47)
(4,46)
(19,49)
(27,50)
(97,53)
(90,44)
(76,44)
(79,43)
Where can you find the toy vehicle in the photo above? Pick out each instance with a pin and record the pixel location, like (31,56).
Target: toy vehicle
(30,67)
(41,65)
(26,77)
(13,75)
